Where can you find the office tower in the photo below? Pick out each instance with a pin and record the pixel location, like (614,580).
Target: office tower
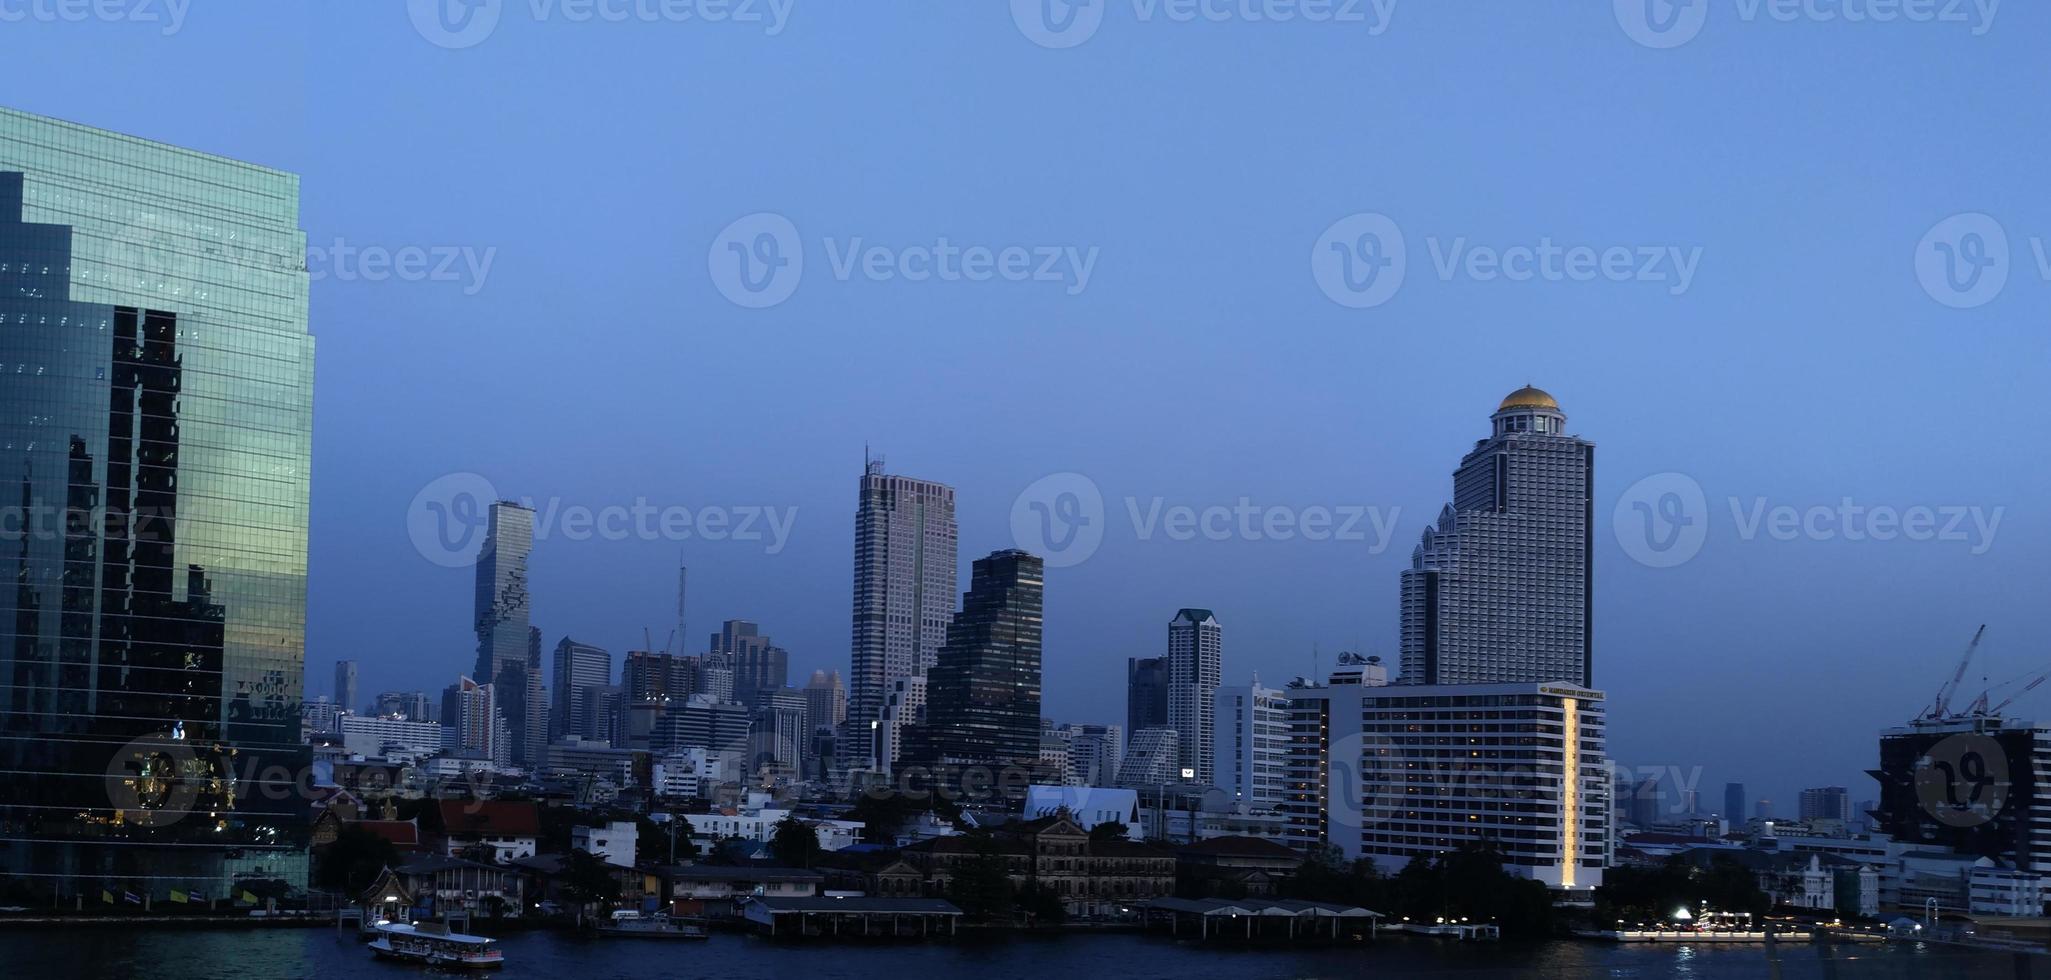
(1734,804)
(1502,588)
(1094,752)
(1196,648)
(778,738)
(1763,810)
(345,685)
(1252,744)
(1975,784)
(757,664)
(1146,693)
(505,638)
(579,667)
(1393,772)
(158,406)
(825,700)
(1826,803)
(704,723)
(904,709)
(476,722)
(1153,756)
(532,736)
(405,705)
(603,714)
(659,676)
(905,579)
(983,695)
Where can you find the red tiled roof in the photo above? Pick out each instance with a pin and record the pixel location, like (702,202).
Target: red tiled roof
(493,818)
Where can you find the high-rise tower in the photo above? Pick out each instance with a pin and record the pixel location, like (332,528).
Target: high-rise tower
(1196,656)
(1501,589)
(157,409)
(983,697)
(905,578)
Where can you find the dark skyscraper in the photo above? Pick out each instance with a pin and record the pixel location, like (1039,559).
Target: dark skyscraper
(905,575)
(1146,693)
(1501,589)
(155,422)
(983,695)
(345,685)
(579,667)
(1734,804)
(506,646)
(758,665)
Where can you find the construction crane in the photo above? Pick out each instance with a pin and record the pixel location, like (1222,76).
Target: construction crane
(1940,709)
(2029,683)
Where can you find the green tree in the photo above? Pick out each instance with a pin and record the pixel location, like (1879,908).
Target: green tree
(981,884)
(587,880)
(1109,830)
(1041,905)
(794,843)
(352,862)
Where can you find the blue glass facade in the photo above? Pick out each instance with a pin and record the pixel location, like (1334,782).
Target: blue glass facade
(155,438)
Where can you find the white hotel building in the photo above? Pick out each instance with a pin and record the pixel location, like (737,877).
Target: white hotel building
(1392,772)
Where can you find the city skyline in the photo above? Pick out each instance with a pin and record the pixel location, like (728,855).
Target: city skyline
(1765,383)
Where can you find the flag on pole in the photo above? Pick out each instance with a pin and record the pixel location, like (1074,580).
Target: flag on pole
(106,896)
(131,898)
(197,895)
(248,896)
(177,896)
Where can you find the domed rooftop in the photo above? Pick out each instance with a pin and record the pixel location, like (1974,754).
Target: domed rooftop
(1529,397)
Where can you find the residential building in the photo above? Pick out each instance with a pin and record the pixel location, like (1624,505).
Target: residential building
(1502,588)
(1253,744)
(1390,773)
(983,696)
(691,774)
(1087,806)
(576,757)
(387,738)
(1826,803)
(476,723)
(1152,756)
(410,705)
(756,820)
(1196,654)
(1094,752)
(614,842)
(758,665)
(160,378)
(579,668)
(345,685)
(702,722)
(781,733)
(1091,877)
(1146,693)
(905,579)
(504,829)
(825,700)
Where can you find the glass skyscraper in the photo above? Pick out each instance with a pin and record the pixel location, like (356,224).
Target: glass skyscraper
(983,696)
(1502,588)
(905,576)
(156,407)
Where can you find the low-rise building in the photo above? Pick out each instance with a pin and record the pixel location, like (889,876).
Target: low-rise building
(1091,878)
(613,842)
(509,829)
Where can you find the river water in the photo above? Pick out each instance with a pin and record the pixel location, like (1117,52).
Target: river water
(160,954)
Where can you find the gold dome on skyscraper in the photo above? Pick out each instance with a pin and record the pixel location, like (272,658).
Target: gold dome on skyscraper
(1529,397)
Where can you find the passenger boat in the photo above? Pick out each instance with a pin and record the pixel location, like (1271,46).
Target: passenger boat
(432,944)
(634,925)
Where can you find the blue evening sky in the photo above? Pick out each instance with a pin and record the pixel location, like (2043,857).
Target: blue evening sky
(598,362)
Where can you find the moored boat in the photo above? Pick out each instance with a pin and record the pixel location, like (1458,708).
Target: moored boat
(634,925)
(432,944)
